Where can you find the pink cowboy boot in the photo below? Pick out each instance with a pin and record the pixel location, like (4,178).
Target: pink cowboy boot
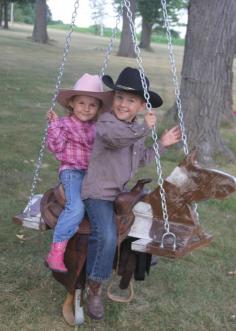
(55,258)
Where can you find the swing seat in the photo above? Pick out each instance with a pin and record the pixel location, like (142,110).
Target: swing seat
(32,219)
(184,246)
(150,231)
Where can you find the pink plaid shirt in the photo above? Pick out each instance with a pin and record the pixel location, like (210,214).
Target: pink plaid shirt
(71,141)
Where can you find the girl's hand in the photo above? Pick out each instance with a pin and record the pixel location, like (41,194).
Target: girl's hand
(150,119)
(171,137)
(51,116)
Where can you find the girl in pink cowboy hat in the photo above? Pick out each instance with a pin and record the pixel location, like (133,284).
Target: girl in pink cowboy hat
(71,138)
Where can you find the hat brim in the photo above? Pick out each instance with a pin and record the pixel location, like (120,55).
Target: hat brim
(155,99)
(64,96)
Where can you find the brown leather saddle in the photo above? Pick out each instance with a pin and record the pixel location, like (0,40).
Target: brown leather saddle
(53,202)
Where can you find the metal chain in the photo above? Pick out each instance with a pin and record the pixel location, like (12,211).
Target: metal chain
(175,79)
(154,130)
(111,44)
(53,102)
(176,87)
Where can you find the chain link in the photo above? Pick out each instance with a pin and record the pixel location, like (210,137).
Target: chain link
(111,44)
(154,130)
(175,79)
(176,87)
(53,102)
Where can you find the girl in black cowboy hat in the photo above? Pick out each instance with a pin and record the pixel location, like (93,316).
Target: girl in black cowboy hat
(118,151)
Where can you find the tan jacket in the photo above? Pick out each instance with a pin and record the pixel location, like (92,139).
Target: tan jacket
(118,151)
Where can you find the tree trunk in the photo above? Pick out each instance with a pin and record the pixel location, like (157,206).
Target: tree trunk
(126,47)
(146,35)
(5,13)
(1,8)
(206,85)
(40,25)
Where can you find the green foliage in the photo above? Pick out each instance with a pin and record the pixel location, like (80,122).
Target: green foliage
(152,14)
(151,11)
(24,11)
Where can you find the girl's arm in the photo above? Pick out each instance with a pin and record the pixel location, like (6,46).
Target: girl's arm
(56,134)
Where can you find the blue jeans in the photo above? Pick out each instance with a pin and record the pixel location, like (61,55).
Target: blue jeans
(73,213)
(102,240)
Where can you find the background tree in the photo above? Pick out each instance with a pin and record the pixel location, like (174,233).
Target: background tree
(98,13)
(1,12)
(152,17)
(5,10)
(40,34)
(206,85)
(126,46)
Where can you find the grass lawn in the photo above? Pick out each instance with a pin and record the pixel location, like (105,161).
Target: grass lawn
(190,294)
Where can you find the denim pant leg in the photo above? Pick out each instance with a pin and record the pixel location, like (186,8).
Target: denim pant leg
(73,213)
(102,240)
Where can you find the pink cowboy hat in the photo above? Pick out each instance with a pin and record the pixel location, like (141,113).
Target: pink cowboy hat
(90,85)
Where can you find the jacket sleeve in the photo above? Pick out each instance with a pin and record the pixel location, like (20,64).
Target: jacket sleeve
(148,155)
(56,136)
(119,134)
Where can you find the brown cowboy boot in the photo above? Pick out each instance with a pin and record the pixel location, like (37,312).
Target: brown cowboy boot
(95,308)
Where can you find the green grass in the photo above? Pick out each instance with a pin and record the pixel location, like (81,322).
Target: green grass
(190,294)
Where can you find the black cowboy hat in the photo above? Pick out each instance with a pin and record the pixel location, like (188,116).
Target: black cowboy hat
(129,81)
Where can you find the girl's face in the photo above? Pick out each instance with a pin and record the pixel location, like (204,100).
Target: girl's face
(127,105)
(85,108)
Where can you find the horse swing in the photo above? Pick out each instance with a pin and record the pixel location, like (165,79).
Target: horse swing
(181,238)
(164,222)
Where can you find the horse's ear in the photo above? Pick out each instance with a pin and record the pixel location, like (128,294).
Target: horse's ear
(193,155)
(190,158)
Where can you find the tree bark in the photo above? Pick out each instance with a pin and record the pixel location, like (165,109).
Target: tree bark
(40,25)
(146,35)
(1,14)
(126,47)
(206,85)
(5,13)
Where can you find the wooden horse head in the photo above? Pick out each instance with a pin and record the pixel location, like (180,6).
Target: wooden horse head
(197,183)
(189,183)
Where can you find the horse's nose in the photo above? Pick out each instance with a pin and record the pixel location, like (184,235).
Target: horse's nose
(234,178)
(231,186)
